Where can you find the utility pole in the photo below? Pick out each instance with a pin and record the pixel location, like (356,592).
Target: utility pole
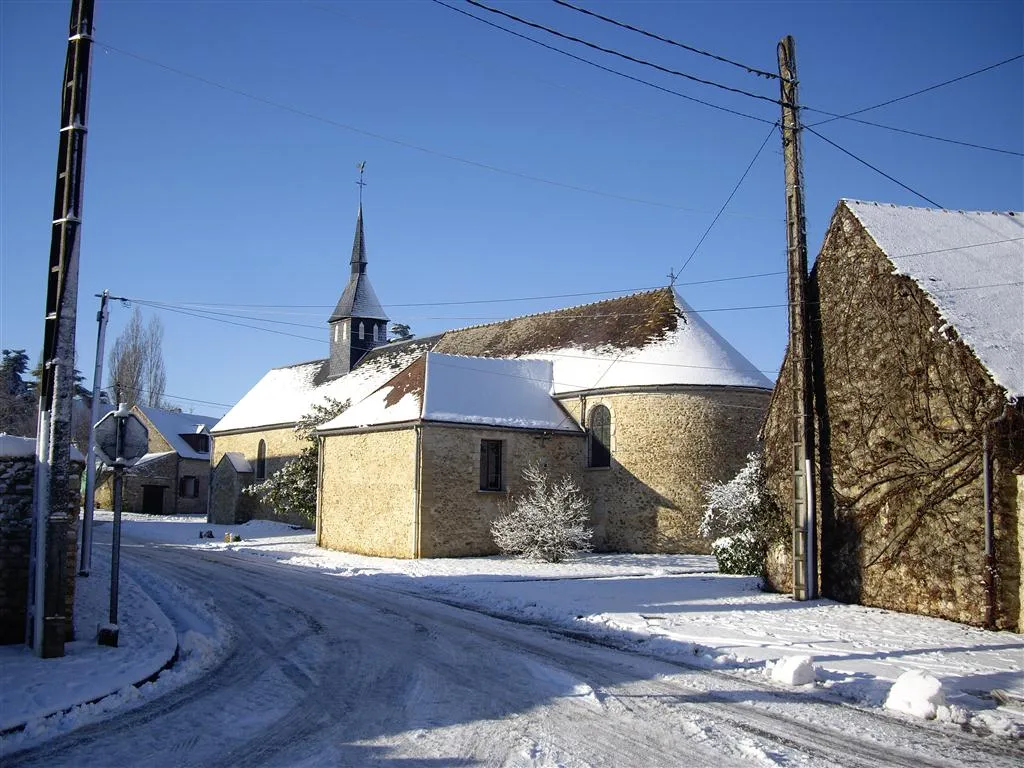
(805,569)
(48,610)
(85,564)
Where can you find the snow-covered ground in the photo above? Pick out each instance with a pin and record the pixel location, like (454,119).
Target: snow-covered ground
(671,606)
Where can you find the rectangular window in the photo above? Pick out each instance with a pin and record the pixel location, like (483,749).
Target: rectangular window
(189,487)
(490,465)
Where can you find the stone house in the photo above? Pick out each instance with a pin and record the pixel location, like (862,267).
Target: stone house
(174,475)
(919,367)
(644,402)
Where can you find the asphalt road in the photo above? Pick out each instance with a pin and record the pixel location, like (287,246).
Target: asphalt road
(332,671)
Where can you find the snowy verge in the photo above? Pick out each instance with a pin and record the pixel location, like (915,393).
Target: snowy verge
(42,698)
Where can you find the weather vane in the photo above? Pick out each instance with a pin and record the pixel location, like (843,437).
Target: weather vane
(361,183)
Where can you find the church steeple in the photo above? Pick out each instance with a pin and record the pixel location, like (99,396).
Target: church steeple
(358,322)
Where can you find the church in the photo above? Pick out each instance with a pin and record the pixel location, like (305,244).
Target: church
(637,397)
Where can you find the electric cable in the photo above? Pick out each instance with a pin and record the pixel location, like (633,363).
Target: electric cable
(874,168)
(652,35)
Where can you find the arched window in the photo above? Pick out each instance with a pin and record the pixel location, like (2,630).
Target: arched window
(599,437)
(362,331)
(261,460)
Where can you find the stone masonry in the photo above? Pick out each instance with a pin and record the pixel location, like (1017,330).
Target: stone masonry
(16,476)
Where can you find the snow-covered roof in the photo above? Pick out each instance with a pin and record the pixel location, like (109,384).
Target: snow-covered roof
(464,390)
(238,461)
(172,425)
(644,339)
(15,446)
(970,264)
(152,457)
(285,395)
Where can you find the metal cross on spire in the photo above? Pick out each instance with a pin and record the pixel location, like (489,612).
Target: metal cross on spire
(361,183)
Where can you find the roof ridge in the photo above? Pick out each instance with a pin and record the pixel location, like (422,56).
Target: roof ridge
(1007,212)
(553,311)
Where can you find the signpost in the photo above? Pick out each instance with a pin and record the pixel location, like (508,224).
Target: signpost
(121,440)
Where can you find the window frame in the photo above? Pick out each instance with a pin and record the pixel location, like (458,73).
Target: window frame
(492,466)
(260,470)
(604,454)
(195,487)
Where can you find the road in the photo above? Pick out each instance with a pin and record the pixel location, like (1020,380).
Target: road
(330,671)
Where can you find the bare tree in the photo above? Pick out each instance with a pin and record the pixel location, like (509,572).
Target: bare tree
(137,374)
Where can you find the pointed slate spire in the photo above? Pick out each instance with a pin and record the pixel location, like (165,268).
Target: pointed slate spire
(359,246)
(358,322)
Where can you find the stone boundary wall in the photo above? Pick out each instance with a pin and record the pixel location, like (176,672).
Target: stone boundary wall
(666,446)
(901,418)
(16,477)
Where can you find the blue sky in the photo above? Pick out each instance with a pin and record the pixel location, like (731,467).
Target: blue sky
(196,195)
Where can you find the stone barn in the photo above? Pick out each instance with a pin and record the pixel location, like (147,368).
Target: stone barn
(919,368)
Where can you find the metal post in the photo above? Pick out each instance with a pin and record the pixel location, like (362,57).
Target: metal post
(805,572)
(90,455)
(108,635)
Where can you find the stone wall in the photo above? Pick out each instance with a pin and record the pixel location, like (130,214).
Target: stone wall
(455,514)
(901,417)
(16,477)
(665,447)
(283,445)
(366,499)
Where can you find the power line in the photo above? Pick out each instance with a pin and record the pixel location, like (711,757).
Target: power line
(833,115)
(490,301)
(624,25)
(613,52)
(410,145)
(915,93)
(603,68)
(727,200)
(872,167)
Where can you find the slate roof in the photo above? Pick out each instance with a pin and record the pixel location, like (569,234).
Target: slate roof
(358,299)
(970,265)
(171,425)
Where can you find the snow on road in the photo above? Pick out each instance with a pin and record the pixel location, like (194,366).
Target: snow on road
(674,608)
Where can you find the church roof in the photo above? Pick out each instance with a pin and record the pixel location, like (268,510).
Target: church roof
(464,390)
(948,252)
(643,339)
(285,395)
(358,299)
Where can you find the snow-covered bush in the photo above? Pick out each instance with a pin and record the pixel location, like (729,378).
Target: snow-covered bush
(292,489)
(741,520)
(549,522)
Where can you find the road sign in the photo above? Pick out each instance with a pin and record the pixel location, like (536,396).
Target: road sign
(134,438)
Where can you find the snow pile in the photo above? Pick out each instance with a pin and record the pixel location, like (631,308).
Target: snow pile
(970,264)
(916,693)
(792,670)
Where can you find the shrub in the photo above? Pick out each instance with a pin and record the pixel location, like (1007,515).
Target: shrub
(741,520)
(550,522)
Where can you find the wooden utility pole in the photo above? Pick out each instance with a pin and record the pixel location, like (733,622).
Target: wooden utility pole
(805,570)
(48,611)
